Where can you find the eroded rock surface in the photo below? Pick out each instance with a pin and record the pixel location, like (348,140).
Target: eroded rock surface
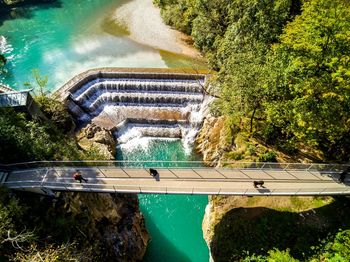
(112,222)
(211,139)
(93,136)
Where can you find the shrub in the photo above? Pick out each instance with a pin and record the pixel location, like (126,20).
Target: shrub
(268,157)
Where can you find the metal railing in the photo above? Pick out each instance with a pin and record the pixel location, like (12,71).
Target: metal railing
(84,187)
(14,98)
(5,88)
(180,164)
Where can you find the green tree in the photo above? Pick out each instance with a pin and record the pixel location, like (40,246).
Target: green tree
(337,249)
(316,47)
(12,232)
(50,104)
(179,14)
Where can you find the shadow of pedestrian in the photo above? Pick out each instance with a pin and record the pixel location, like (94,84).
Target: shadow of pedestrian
(263,190)
(341,178)
(157,177)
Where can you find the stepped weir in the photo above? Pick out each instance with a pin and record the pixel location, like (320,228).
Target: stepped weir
(151,102)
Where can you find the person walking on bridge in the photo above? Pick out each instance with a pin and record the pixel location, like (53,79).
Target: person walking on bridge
(78,177)
(343,175)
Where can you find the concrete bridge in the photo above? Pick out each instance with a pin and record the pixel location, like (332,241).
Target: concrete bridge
(181,178)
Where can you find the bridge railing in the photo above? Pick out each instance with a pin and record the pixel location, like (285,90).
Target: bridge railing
(14,98)
(89,187)
(179,164)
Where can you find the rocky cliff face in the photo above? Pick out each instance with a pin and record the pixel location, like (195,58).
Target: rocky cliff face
(211,139)
(114,221)
(107,227)
(210,143)
(113,224)
(99,138)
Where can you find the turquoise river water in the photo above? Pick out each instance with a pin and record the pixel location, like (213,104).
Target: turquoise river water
(69,37)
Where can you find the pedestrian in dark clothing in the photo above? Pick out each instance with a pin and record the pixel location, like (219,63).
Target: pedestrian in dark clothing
(78,177)
(343,175)
(154,173)
(258,183)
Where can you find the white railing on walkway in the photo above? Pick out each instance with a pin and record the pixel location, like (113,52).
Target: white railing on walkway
(180,164)
(88,187)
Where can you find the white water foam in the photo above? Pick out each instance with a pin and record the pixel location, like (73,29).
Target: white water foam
(5,48)
(132,137)
(197,112)
(128,134)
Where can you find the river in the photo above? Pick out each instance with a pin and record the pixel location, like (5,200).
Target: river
(69,37)
(76,36)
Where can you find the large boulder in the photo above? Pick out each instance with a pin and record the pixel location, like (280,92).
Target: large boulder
(96,137)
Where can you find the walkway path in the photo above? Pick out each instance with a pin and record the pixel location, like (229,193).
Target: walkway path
(278,180)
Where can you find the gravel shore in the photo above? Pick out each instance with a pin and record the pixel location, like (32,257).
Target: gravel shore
(144,23)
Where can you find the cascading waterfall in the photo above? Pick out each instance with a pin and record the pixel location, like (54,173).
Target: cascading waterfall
(5,48)
(135,106)
(63,42)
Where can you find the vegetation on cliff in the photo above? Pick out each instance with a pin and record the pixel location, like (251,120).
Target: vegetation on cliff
(71,227)
(19,240)
(282,81)
(273,227)
(29,140)
(24,139)
(282,65)
(86,227)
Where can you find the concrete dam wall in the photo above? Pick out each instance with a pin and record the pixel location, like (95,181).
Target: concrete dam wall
(144,102)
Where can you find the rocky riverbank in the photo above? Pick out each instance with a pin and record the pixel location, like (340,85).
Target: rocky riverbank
(93,137)
(150,30)
(211,139)
(113,227)
(235,227)
(106,227)
(112,224)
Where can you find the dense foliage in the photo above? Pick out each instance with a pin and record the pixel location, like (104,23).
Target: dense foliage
(27,232)
(330,249)
(283,78)
(8,3)
(283,67)
(26,139)
(259,229)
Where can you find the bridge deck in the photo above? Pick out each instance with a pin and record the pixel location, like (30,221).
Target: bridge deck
(180,181)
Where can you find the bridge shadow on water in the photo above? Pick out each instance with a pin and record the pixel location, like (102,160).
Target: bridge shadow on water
(260,229)
(162,248)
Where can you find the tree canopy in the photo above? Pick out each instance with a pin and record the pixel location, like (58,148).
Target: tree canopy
(283,67)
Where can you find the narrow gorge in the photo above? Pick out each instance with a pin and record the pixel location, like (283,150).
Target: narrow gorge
(142,115)
(137,104)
